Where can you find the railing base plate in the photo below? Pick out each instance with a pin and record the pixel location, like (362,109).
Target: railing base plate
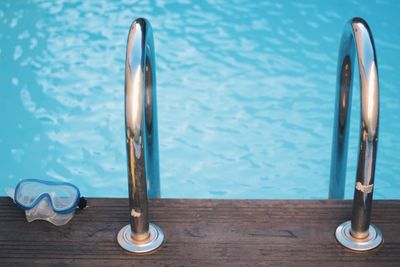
(372,241)
(154,241)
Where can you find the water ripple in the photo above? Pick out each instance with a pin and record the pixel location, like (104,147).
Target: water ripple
(245,95)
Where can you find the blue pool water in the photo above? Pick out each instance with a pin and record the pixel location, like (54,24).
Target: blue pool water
(245,95)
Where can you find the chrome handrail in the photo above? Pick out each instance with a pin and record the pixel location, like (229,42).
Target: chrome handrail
(140,236)
(358,234)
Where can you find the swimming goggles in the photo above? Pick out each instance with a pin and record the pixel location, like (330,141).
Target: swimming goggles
(55,202)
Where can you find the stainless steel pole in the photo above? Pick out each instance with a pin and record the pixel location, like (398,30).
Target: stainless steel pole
(358,234)
(141,139)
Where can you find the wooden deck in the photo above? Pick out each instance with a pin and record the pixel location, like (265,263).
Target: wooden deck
(200,233)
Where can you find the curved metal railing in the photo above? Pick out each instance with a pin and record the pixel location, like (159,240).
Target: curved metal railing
(140,236)
(357,37)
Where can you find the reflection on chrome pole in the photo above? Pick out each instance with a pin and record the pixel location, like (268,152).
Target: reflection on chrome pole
(140,236)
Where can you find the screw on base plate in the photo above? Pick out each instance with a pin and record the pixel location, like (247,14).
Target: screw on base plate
(344,237)
(125,240)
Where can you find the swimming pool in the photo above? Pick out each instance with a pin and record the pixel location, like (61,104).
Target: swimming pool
(245,95)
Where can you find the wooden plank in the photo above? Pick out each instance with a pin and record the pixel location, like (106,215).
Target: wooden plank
(200,233)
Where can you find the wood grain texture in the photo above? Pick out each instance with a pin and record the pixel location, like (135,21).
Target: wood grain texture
(200,233)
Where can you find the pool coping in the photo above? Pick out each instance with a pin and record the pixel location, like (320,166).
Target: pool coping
(201,232)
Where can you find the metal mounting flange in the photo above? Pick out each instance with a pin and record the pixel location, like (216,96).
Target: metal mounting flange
(154,241)
(344,237)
